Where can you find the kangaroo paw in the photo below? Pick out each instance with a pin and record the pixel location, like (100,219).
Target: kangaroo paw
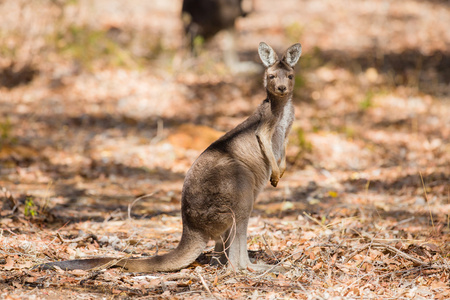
(274,181)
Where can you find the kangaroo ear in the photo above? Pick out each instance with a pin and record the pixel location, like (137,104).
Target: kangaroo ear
(267,55)
(293,54)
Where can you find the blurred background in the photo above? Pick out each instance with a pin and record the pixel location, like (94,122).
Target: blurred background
(105,101)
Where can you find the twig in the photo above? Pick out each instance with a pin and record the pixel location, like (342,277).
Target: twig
(111,263)
(401,253)
(405,221)
(90,275)
(419,268)
(389,248)
(351,284)
(47,197)
(426,198)
(159,132)
(136,200)
(179,276)
(97,270)
(225,253)
(356,252)
(78,239)
(316,221)
(276,265)
(268,247)
(227,273)
(232,235)
(204,284)
(325,245)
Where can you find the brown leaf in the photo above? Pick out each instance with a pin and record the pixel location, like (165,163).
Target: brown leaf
(9,263)
(30,279)
(375,253)
(116,291)
(431,246)
(317,266)
(333,259)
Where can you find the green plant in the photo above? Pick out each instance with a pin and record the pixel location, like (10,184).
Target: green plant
(303,143)
(367,102)
(300,81)
(30,207)
(349,131)
(197,43)
(5,129)
(7,51)
(5,133)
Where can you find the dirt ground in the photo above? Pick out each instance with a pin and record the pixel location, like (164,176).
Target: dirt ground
(103,110)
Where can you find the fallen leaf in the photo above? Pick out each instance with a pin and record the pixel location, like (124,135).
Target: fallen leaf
(317,266)
(30,279)
(216,280)
(9,263)
(333,194)
(431,247)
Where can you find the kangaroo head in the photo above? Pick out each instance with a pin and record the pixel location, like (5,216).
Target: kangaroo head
(279,74)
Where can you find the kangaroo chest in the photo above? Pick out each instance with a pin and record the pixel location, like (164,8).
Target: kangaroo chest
(282,129)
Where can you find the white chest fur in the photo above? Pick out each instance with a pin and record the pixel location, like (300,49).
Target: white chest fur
(282,129)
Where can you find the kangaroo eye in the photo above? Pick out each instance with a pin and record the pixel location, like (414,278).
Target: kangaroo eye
(271,76)
(291,77)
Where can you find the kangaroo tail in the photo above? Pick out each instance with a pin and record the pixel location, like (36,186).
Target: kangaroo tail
(190,247)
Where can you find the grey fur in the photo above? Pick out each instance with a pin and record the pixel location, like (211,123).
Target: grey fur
(223,183)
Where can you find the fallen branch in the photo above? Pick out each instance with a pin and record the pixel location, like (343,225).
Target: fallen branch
(389,248)
(421,269)
(179,276)
(78,239)
(399,252)
(324,227)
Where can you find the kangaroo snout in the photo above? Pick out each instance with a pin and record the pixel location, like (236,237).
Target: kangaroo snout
(282,88)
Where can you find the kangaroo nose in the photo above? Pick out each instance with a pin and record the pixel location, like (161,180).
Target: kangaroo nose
(282,88)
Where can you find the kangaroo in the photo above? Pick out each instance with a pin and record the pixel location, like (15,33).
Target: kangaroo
(208,17)
(224,181)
